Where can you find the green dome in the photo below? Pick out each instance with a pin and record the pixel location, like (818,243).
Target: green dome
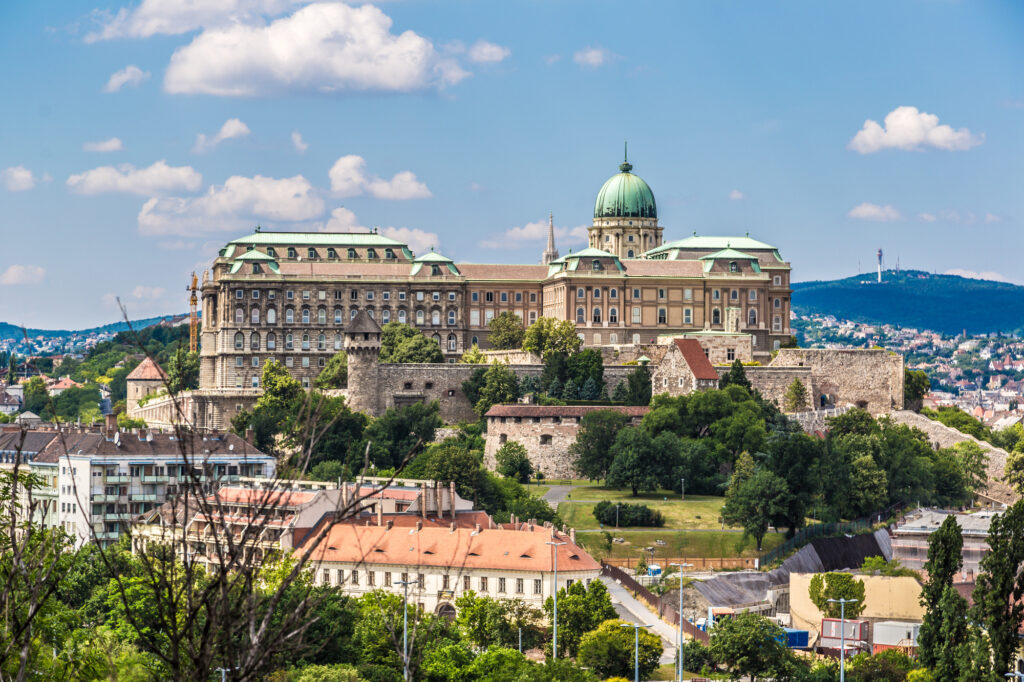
(625,196)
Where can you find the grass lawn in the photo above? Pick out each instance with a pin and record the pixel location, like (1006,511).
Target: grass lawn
(697,511)
(707,544)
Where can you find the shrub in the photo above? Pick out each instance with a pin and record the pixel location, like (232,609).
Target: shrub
(629,514)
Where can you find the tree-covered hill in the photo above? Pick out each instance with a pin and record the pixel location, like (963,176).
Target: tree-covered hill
(912,298)
(13,331)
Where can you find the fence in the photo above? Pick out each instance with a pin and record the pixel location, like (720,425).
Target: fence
(698,563)
(665,610)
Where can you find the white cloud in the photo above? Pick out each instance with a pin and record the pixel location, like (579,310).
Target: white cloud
(173,17)
(22,274)
(552,58)
(233,206)
(142,292)
(593,57)
(417,239)
(297,140)
(866,211)
(927,217)
(324,47)
(232,128)
(536,231)
(735,195)
(176,245)
(343,220)
(349,179)
(993,218)
(485,52)
(17,179)
(129,75)
(971,274)
(112,145)
(908,128)
(157,179)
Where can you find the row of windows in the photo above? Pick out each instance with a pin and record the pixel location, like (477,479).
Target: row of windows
(306,316)
(474,317)
(313,254)
(388,579)
(353,295)
(289,341)
(503,296)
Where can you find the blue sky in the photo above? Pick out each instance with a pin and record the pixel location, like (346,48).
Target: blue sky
(827,129)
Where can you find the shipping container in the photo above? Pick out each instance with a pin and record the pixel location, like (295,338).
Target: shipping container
(856,630)
(895,633)
(796,639)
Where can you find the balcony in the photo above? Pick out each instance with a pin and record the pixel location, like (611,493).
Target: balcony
(163,478)
(105,498)
(144,497)
(117,478)
(117,516)
(107,534)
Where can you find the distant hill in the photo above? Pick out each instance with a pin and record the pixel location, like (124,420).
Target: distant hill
(9,331)
(912,298)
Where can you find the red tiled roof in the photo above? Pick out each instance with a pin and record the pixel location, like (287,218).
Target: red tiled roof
(263,498)
(699,364)
(664,268)
(463,519)
(513,550)
(564,410)
(148,371)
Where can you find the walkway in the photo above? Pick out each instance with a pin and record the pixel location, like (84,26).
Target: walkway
(556,494)
(634,611)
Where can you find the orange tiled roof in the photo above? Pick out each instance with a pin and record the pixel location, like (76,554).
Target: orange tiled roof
(699,364)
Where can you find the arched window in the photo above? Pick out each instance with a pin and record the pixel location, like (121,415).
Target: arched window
(288,343)
(337,341)
(254,316)
(613,315)
(716,316)
(581,293)
(385,316)
(305,342)
(239,341)
(370,253)
(369,312)
(580,316)
(401,316)
(752,317)
(777,303)
(254,341)
(436,339)
(321,316)
(595,264)
(474,341)
(389,253)
(352,313)
(435,318)
(289,316)
(339,316)
(321,342)
(419,317)
(451,318)
(271,315)
(733,267)
(613,293)
(629,254)
(305,316)
(451,342)
(271,341)
(239,316)
(597,315)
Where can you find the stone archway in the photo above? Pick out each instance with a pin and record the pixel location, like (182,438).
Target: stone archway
(446,610)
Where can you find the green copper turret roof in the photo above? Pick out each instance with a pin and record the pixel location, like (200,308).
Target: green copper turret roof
(625,195)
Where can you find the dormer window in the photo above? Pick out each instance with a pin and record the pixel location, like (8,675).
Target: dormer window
(733,267)
(370,253)
(256,269)
(435,270)
(311,253)
(596,264)
(271,252)
(352,253)
(331,253)
(389,253)
(292,253)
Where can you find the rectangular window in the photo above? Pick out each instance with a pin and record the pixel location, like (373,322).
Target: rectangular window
(475,296)
(466,583)
(777,281)
(369,295)
(290,295)
(662,316)
(436,296)
(387,578)
(533,316)
(401,295)
(386,296)
(483,583)
(537,586)
(451,295)
(289,361)
(519,585)
(661,294)
(716,295)
(688,294)
(371,578)
(636,314)
(255,361)
(636,293)
(488,316)
(354,577)
(353,295)
(321,295)
(734,294)
(501,585)
(446,582)
(239,361)
(687,315)
(256,294)
(305,295)
(489,297)
(533,297)
(474,318)
(730,354)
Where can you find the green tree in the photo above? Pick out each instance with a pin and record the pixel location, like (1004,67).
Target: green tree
(621,393)
(795,398)
(750,645)
(556,369)
(639,461)
(972,462)
(393,436)
(956,418)
(794,458)
(999,587)
(473,356)
(736,376)
(554,389)
(916,385)
(506,331)
(400,343)
(513,462)
(580,610)
(183,371)
(450,462)
(571,391)
(825,586)
(867,491)
(548,335)
(500,386)
(590,390)
(488,622)
(335,373)
(585,365)
(638,386)
(609,650)
(591,456)
(754,502)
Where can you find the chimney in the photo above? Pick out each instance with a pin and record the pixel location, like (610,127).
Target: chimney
(451,497)
(423,502)
(250,435)
(380,513)
(970,575)
(452,528)
(419,526)
(390,524)
(476,526)
(110,422)
(572,535)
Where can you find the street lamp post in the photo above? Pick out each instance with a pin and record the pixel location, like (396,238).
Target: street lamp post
(405,626)
(636,647)
(616,514)
(681,659)
(682,489)
(554,599)
(842,634)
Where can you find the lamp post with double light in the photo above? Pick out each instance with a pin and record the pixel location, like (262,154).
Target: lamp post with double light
(636,647)
(405,626)
(681,659)
(842,634)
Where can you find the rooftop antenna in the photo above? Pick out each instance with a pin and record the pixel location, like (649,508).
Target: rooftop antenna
(879,266)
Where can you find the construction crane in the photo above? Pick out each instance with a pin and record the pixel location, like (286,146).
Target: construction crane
(193,315)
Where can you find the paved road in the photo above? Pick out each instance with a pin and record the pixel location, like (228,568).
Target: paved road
(633,611)
(556,494)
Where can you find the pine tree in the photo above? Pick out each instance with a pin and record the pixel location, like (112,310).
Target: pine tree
(796,396)
(571,391)
(590,390)
(944,561)
(621,393)
(555,388)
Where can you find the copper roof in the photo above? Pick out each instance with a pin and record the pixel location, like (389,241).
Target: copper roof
(147,370)
(513,550)
(564,410)
(699,364)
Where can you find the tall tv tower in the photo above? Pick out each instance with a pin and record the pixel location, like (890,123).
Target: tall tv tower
(879,266)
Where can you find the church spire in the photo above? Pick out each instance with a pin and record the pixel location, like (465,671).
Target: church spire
(550,253)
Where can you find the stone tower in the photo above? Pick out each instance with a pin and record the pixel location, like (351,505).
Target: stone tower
(362,345)
(550,253)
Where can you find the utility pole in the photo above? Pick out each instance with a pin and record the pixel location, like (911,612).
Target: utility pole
(682,659)
(636,647)
(554,600)
(842,628)
(405,626)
